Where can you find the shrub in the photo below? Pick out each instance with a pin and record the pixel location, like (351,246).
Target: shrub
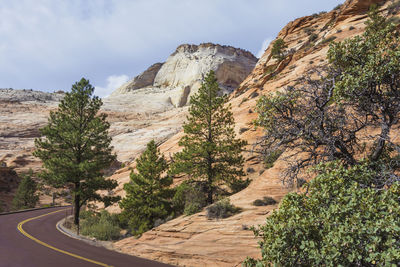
(266,201)
(313,37)
(351,28)
(189,198)
(342,221)
(238,185)
(309,30)
(102,226)
(26,196)
(328,40)
(270,158)
(254,94)
(221,209)
(243,129)
(250,170)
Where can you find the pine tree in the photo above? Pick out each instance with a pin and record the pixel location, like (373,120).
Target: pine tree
(26,196)
(148,195)
(76,148)
(211,153)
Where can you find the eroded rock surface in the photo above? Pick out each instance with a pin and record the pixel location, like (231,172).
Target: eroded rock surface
(182,73)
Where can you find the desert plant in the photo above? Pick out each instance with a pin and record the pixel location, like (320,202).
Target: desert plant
(345,221)
(278,49)
(312,37)
(264,202)
(190,197)
(26,196)
(221,209)
(321,117)
(102,226)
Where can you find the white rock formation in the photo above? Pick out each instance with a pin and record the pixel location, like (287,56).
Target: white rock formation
(181,75)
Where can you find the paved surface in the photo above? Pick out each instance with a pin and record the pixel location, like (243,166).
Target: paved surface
(16,249)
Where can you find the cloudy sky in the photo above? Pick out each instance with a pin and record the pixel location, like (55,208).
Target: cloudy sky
(49,44)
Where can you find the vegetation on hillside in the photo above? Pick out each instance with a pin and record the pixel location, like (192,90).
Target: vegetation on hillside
(26,196)
(347,215)
(75,147)
(148,197)
(211,152)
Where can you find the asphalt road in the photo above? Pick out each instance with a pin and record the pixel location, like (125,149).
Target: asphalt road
(16,249)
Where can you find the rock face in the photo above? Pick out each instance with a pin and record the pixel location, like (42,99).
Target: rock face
(145,79)
(181,75)
(196,241)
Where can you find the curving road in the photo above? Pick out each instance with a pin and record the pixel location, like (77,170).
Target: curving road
(51,247)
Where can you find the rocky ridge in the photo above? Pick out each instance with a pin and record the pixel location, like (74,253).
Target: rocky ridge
(182,73)
(196,241)
(137,112)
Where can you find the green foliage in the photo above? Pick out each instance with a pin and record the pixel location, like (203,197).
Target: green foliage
(343,220)
(271,157)
(76,147)
(221,209)
(147,194)
(312,37)
(189,198)
(369,59)
(330,39)
(26,196)
(264,202)
(348,215)
(102,226)
(211,153)
(278,49)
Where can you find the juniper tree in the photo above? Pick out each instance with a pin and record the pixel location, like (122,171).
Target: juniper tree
(211,152)
(148,196)
(76,147)
(278,49)
(343,122)
(26,196)
(325,116)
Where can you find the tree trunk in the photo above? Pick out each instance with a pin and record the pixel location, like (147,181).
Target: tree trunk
(77,207)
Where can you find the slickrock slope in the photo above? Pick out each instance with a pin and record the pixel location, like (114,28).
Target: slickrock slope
(181,75)
(138,111)
(196,241)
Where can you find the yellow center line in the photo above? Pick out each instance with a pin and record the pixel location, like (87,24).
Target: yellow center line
(50,246)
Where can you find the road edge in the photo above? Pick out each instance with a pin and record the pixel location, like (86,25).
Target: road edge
(60,227)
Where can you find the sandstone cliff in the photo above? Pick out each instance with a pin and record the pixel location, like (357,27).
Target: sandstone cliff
(181,75)
(196,241)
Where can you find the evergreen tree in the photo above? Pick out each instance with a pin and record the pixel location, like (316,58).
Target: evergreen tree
(279,49)
(76,148)
(211,153)
(26,196)
(148,194)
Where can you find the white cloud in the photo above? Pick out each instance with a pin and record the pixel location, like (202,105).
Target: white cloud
(113,82)
(264,46)
(48,45)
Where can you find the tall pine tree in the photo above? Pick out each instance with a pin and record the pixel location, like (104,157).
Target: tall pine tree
(26,196)
(147,194)
(211,153)
(76,148)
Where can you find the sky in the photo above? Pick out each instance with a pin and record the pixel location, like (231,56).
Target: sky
(48,45)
